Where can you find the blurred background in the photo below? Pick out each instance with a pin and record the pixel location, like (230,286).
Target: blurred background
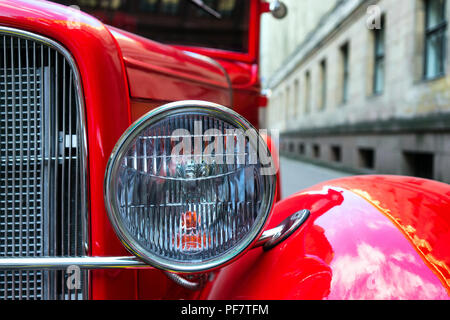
(360,87)
(355,86)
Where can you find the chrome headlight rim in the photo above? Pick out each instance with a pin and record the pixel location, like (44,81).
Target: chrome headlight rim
(127,239)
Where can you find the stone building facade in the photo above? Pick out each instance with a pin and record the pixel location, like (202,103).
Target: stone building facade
(280,38)
(369,90)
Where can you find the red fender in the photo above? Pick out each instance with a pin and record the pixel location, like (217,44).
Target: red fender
(276,163)
(368,237)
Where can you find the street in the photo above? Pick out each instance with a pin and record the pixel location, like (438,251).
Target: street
(296,175)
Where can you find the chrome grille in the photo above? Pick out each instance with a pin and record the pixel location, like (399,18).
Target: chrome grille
(42,164)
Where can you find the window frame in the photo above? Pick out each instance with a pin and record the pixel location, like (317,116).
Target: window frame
(324,84)
(345,55)
(288,104)
(379,58)
(308,89)
(430,32)
(296,96)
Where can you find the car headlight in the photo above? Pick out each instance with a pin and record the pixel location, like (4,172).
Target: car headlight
(184,187)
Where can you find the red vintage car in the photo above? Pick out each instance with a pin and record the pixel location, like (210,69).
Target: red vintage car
(133,168)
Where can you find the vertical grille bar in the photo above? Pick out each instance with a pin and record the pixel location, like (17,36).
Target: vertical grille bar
(43,207)
(5,208)
(35,173)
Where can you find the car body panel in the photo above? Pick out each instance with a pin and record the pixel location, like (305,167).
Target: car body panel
(368,237)
(162,73)
(99,60)
(365,233)
(159,74)
(115,96)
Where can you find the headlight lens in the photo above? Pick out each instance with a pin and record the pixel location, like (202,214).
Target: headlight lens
(184,186)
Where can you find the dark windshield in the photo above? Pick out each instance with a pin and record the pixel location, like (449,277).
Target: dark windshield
(176,21)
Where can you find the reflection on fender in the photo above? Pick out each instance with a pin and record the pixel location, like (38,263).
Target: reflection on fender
(348,249)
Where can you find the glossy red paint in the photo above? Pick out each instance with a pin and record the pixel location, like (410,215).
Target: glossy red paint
(369,237)
(246,88)
(271,144)
(153,284)
(243,68)
(138,67)
(99,60)
(158,72)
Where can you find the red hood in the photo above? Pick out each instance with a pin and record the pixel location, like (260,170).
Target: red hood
(144,55)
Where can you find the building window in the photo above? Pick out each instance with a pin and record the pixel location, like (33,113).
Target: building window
(301,148)
(296,96)
(336,154)
(280,104)
(379,57)
(288,103)
(307,92)
(273,107)
(291,147)
(323,84)
(435,38)
(367,158)
(345,71)
(419,164)
(316,151)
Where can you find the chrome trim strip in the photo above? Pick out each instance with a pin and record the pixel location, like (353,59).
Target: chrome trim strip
(90,263)
(280,232)
(61,263)
(268,240)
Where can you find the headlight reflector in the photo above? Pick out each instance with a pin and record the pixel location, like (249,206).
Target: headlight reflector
(184,188)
